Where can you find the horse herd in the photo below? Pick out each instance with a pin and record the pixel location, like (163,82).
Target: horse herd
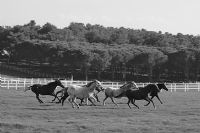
(90,92)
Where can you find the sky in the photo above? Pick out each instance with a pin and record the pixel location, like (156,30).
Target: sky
(173,16)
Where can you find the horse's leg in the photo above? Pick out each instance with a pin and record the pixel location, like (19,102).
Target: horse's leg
(129,103)
(148,101)
(105,99)
(97,98)
(63,99)
(74,101)
(159,99)
(57,95)
(86,100)
(133,102)
(54,99)
(91,101)
(147,98)
(114,101)
(82,100)
(37,96)
(71,100)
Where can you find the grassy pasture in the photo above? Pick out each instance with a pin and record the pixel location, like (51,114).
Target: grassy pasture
(21,112)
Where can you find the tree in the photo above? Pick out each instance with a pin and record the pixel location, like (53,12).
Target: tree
(100,61)
(78,30)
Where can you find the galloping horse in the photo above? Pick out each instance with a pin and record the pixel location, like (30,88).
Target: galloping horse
(97,90)
(118,92)
(47,89)
(64,94)
(141,94)
(81,92)
(154,92)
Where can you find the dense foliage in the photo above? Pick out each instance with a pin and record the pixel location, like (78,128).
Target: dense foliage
(106,53)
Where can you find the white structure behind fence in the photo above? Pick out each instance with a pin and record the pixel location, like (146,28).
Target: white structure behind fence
(22,83)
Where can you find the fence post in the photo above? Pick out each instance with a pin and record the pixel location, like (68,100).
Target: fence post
(24,83)
(32,81)
(8,84)
(185,87)
(16,81)
(171,86)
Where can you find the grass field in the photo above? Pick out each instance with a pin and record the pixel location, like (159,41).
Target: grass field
(21,112)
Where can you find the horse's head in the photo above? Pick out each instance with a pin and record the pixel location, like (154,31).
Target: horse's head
(162,86)
(129,85)
(95,84)
(27,88)
(100,88)
(134,85)
(58,83)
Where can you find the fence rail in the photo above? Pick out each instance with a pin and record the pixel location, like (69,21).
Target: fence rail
(22,83)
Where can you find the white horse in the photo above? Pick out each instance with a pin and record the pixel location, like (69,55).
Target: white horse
(82,92)
(6,54)
(64,94)
(118,92)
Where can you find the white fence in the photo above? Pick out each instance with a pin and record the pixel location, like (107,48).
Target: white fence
(22,83)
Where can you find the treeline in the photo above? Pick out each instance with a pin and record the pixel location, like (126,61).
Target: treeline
(95,51)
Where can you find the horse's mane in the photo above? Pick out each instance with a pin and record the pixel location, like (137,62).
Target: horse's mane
(124,85)
(151,86)
(53,82)
(89,84)
(50,83)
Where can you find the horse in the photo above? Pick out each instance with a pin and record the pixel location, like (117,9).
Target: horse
(154,92)
(118,92)
(141,94)
(5,53)
(81,92)
(47,89)
(64,94)
(97,90)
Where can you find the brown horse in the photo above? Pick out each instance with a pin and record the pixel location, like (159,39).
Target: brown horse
(118,92)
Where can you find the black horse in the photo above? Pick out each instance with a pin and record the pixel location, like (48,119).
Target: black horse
(154,92)
(140,94)
(47,89)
